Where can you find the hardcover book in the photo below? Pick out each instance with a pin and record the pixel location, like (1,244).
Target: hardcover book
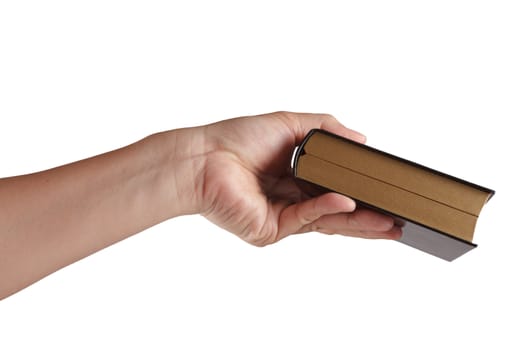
(437,211)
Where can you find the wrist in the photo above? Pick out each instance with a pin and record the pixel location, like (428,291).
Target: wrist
(180,157)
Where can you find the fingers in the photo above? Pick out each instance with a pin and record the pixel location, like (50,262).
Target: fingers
(361,219)
(308,121)
(333,213)
(361,223)
(333,125)
(297,216)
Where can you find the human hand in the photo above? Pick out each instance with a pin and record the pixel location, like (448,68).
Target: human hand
(247,188)
(235,173)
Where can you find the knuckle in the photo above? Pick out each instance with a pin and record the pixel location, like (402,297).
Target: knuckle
(258,243)
(287,116)
(261,238)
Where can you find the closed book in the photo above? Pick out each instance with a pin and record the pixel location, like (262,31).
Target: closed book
(437,211)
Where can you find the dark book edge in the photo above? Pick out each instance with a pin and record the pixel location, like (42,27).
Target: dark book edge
(300,150)
(417,235)
(425,238)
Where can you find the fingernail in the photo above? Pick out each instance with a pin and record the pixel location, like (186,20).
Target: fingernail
(397,232)
(360,137)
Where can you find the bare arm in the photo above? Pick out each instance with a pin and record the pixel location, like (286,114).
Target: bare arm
(233,173)
(55,217)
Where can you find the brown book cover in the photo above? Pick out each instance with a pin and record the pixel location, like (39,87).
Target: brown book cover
(438,212)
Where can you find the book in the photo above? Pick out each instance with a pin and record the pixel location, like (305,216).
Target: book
(437,211)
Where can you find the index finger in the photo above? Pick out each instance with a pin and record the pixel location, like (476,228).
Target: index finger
(307,121)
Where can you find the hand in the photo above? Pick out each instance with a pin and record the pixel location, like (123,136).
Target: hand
(247,187)
(234,172)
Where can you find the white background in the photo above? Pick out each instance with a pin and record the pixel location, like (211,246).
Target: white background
(437,82)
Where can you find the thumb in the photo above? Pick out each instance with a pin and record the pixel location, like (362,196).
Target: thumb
(300,216)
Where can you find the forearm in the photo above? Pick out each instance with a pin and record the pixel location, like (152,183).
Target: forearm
(53,218)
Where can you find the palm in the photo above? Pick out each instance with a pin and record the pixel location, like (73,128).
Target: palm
(249,186)
(249,189)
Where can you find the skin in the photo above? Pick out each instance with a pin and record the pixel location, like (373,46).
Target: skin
(234,172)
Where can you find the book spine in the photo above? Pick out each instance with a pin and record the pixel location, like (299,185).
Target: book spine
(299,150)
